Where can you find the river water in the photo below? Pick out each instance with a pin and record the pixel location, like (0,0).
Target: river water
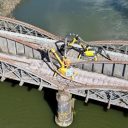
(25,107)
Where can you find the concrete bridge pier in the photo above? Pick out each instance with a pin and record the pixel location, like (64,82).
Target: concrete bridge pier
(64,113)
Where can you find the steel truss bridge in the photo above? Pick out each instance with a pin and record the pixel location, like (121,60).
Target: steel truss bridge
(23,57)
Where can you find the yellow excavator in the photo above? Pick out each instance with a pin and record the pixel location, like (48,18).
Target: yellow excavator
(74,40)
(65,65)
(88,52)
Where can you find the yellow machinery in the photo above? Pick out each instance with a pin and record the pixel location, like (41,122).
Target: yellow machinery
(89,52)
(65,63)
(74,40)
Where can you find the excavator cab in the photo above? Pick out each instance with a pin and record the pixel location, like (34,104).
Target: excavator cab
(65,67)
(89,52)
(68,72)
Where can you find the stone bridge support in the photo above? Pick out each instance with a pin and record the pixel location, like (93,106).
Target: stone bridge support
(64,113)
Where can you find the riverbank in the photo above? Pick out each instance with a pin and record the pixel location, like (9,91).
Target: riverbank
(7,6)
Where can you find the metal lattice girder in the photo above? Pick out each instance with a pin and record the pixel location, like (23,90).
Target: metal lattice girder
(105,89)
(30,72)
(83,79)
(118,68)
(13,72)
(37,72)
(13,25)
(110,97)
(120,46)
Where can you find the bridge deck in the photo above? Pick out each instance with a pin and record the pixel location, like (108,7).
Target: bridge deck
(24,46)
(84,79)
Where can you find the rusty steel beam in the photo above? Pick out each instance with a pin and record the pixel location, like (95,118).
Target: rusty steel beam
(101,62)
(120,46)
(116,42)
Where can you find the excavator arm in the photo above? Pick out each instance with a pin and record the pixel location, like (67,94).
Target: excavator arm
(72,42)
(58,58)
